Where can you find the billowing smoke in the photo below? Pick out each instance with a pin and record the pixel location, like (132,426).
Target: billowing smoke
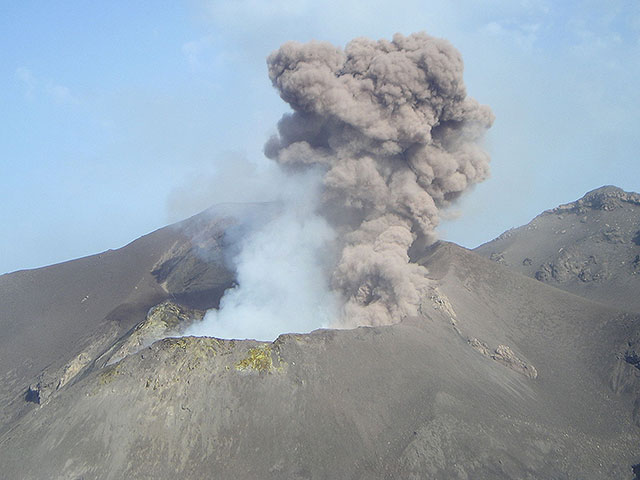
(391,127)
(381,138)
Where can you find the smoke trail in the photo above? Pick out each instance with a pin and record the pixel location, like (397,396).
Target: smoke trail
(397,137)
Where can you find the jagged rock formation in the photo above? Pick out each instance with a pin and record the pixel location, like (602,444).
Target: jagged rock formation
(164,320)
(589,247)
(504,355)
(605,198)
(167,319)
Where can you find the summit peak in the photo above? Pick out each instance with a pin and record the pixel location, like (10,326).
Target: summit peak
(607,197)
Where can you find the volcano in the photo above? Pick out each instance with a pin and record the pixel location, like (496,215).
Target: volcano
(523,362)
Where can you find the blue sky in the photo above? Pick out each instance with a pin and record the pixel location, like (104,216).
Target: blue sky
(120,117)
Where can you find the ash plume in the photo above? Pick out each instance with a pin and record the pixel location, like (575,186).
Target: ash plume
(390,125)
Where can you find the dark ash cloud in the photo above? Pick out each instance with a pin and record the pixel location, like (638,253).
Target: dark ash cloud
(391,126)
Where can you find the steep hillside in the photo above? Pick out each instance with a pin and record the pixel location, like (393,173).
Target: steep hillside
(500,377)
(55,321)
(590,247)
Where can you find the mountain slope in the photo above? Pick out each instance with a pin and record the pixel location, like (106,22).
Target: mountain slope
(501,377)
(57,320)
(590,247)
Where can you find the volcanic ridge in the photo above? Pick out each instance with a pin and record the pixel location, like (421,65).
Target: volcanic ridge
(504,373)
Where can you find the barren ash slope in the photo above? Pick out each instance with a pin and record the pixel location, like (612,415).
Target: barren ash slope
(57,320)
(500,376)
(590,247)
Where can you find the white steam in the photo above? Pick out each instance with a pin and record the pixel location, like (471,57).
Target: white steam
(281,271)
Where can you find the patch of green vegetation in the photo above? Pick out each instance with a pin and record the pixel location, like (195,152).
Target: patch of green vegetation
(258,358)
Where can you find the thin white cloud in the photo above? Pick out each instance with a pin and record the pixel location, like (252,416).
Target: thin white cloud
(27,79)
(230,9)
(59,93)
(522,35)
(590,39)
(33,87)
(194,50)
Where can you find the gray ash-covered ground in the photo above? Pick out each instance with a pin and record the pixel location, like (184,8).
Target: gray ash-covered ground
(499,376)
(589,247)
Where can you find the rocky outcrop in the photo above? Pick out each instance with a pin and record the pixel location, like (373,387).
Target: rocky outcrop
(164,320)
(49,382)
(604,198)
(498,257)
(504,355)
(632,356)
(440,302)
(570,264)
(589,247)
(480,347)
(53,379)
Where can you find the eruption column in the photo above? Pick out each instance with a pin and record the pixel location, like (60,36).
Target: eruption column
(397,138)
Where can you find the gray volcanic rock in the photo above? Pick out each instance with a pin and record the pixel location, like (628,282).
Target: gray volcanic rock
(504,355)
(57,321)
(413,400)
(167,319)
(590,247)
(500,377)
